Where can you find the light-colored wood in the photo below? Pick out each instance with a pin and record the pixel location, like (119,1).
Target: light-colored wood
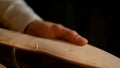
(86,55)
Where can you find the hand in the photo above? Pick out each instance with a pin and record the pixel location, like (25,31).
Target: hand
(54,31)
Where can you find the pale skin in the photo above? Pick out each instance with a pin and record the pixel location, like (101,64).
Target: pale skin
(52,30)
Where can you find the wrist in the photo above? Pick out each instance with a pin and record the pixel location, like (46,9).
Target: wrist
(31,26)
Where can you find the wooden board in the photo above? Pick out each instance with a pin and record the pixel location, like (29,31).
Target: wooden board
(80,55)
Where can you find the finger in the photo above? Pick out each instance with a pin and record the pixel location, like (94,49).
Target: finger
(73,36)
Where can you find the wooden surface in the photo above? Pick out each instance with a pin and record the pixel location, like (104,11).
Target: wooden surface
(87,55)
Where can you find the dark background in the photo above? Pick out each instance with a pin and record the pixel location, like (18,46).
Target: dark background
(98,20)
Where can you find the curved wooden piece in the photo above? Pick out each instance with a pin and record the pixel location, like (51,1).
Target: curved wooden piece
(80,55)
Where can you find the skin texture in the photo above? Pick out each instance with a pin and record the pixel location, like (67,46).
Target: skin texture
(52,30)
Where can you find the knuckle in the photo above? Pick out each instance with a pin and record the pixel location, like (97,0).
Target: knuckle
(57,26)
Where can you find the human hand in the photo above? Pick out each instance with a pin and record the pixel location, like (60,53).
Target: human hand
(54,31)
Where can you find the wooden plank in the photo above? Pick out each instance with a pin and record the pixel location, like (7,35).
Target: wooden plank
(81,55)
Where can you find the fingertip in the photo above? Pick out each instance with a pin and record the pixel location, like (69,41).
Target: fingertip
(82,41)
